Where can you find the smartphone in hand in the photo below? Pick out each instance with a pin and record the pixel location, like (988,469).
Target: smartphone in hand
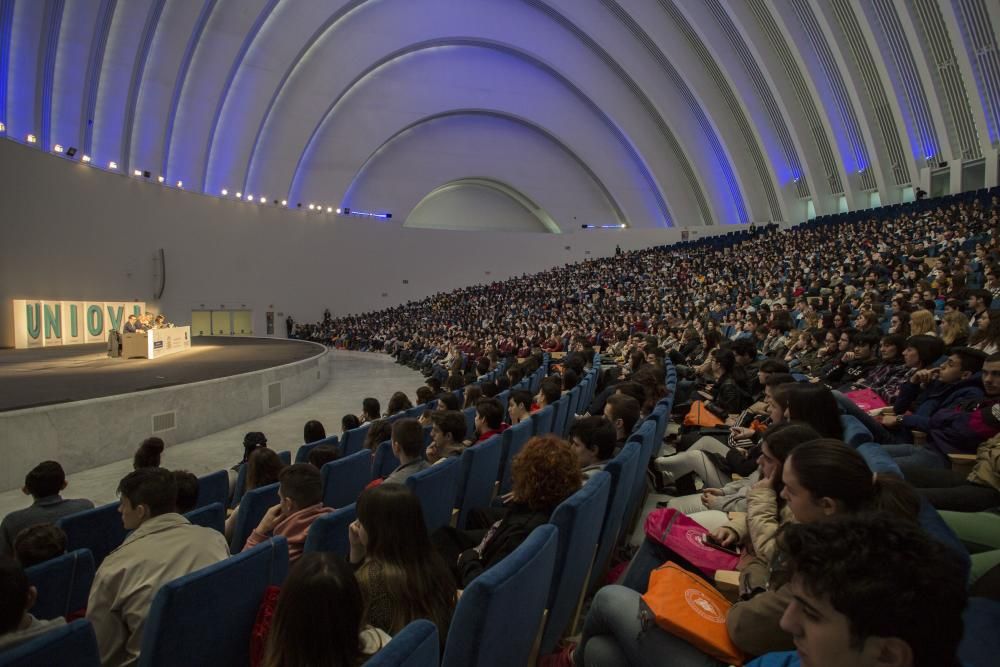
(709,541)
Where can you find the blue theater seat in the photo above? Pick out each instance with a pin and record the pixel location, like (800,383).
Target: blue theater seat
(416,645)
(213,488)
(437,487)
(329,532)
(345,478)
(478,477)
(99,529)
(73,644)
(63,584)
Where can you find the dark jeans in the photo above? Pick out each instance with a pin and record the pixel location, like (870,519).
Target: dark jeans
(949,490)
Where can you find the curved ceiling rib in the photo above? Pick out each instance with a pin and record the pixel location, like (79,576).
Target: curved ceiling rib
(544,219)
(95,65)
(128,126)
(50,44)
(612,127)
(612,202)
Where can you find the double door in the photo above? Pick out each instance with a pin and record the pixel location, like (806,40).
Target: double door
(222,323)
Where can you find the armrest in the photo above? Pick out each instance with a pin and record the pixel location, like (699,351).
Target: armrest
(919,438)
(962,463)
(728,583)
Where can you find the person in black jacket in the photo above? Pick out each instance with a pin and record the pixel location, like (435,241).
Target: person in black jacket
(544,474)
(729,393)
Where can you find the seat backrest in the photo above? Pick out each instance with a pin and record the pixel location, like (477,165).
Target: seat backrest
(470,422)
(254,505)
(499,614)
(504,398)
(329,531)
(571,402)
(436,487)
(644,436)
(206,617)
(345,478)
(543,419)
(73,644)
(302,455)
(621,469)
(416,645)
(100,529)
(213,488)
(63,584)
(286,457)
(579,520)
(384,461)
(513,440)
(353,439)
(241,485)
(661,416)
(855,433)
(210,516)
(478,477)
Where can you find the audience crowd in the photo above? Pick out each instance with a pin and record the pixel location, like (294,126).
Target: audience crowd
(786,344)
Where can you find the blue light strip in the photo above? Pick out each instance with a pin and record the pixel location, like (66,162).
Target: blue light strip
(363,214)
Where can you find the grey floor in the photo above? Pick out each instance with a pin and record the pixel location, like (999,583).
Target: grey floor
(355,376)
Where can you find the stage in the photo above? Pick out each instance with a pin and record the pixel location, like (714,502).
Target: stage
(50,375)
(75,405)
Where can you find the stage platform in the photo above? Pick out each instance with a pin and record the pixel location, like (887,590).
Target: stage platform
(46,376)
(76,406)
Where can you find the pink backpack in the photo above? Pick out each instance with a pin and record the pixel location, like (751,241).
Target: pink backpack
(683,536)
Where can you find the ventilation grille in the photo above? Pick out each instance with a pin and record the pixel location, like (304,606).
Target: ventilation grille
(791,66)
(876,92)
(273,395)
(709,61)
(982,46)
(894,40)
(807,19)
(165,421)
(756,78)
(958,113)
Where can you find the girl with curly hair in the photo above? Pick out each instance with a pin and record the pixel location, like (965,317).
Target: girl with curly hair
(544,474)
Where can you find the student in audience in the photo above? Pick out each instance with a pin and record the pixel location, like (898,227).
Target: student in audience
(987,336)
(379,431)
(593,440)
(815,405)
(43,483)
(623,413)
(251,441)
(349,422)
(473,393)
(448,401)
(424,395)
(17,597)
(398,402)
(263,468)
(321,455)
(148,454)
(39,543)
(402,577)
(408,446)
(162,546)
(821,479)
(187,491)
(979,302)
(977,491)
(545,473)
(300,496)
(519,405)
(320,617)
(549,392)
(313,431)
(371,410)
(730,390)
(489,419)
(447,436)
(955,329)
(922,323)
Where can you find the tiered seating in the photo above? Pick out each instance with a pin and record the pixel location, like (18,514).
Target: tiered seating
(480,464)
(253,507)
(63,584)
(345,478)
(74,644)
(329,532)
(213,488)
(100,530)
(416,645)
(210,516)
(384,461)
(302,455)
(437,488)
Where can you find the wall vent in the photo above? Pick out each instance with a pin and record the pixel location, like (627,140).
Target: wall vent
(165,421)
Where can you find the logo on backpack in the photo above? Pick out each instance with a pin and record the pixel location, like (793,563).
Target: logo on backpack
(703,606)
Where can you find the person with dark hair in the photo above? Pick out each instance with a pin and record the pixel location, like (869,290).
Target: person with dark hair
(447,436)
(548,393)
(544,473)
(519,405)
(371,410)
(987,336)
(398,402)
(593,439)
(447,400)
(162,546)
(402,577)
(321,455)
(489,419)
(39,543)
(408,446)
(623,413)
(251,441)
(300,502)
(491,389)
(570,379)
(313,431)
(379,431)
(17,597)
(729,392)
(43,483)
(980,301)
(320,617)
(187,491)
(856,363)
(424,395)
(263,469)
(349,422)
(148,454)
(815,405)
(471,396)
(822,479)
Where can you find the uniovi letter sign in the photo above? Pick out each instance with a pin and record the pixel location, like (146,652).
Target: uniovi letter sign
(47,323)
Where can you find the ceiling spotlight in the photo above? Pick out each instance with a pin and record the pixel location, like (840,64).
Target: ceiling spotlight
(58,148)
(3,127)
(85,158)
(71,151)
(225,192)
(249,197)
(180,184)
(339,211)
(312,207)
(160,179)
(284,202)
(137,172)
(329,209)
(239,195)
(31,138)
(112,165)
(262,199)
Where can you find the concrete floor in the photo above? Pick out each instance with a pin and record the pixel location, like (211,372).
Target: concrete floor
(355,376)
